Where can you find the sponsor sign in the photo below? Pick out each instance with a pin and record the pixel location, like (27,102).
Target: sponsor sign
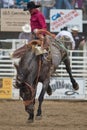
(13,19)
(15,93)
(62,18)
(6,88)
(62,89)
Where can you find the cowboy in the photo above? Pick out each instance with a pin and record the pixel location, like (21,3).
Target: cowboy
(26,33)
(79,39)
(66,38)
(37,20)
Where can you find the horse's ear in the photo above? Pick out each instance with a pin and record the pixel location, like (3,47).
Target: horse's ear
(16,66)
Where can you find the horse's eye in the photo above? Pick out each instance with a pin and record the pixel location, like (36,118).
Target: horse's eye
(22,74)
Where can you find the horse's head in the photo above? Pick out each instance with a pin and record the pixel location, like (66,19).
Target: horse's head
(26,78)
(27,68)
(20,76)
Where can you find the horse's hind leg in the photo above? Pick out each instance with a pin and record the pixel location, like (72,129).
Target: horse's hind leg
(49,90)
(68,68)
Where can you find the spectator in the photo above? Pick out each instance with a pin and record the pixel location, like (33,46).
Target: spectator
(79,39)
(79,4)
(26,1)
(37,20)
(85,10)
(1,3)
(37,1)
(26,33)
(73,3)
(64,4)
(21,3)
(8,3)
(47,5)
(68,4)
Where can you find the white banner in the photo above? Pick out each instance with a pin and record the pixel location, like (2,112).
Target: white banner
(62,89)
(65,18)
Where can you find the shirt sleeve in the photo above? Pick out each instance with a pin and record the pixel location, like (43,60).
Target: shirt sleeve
(42,21)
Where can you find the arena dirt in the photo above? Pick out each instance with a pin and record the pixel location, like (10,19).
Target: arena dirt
(57,115)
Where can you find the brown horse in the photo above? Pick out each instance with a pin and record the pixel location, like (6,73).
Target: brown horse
(34,68)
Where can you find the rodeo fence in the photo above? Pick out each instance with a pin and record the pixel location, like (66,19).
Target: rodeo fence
(60,82)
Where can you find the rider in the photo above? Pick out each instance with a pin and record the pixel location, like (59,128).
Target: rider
(37,20)
(79,39)
(66,37)
(26,33)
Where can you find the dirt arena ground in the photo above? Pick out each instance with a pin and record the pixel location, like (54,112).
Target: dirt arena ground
(57,115)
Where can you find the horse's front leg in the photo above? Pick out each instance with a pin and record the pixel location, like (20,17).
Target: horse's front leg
(45,88)
(30,110)
(40,100)
(29,105)
(68,68)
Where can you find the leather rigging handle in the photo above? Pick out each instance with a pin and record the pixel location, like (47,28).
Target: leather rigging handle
(39,33)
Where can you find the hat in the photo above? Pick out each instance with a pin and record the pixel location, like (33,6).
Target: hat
(26,28)
(31,5)
(75,28)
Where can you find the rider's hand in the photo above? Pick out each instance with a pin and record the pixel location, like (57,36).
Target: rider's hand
(35,30)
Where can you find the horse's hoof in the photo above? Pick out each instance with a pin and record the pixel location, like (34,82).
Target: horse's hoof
(38,117)
(76,86)
(49,90)
(30,121)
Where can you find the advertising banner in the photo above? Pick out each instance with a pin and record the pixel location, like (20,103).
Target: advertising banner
(60,18)
(62,89)
(13,19)
(5,88)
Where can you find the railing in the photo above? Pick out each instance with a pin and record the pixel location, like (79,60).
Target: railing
(6,63)
(78,61)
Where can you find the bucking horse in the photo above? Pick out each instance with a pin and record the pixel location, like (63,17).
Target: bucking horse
(38,61)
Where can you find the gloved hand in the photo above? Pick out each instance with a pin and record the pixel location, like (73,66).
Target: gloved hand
(35,30)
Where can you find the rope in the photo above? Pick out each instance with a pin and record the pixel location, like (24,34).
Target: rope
(61,45)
